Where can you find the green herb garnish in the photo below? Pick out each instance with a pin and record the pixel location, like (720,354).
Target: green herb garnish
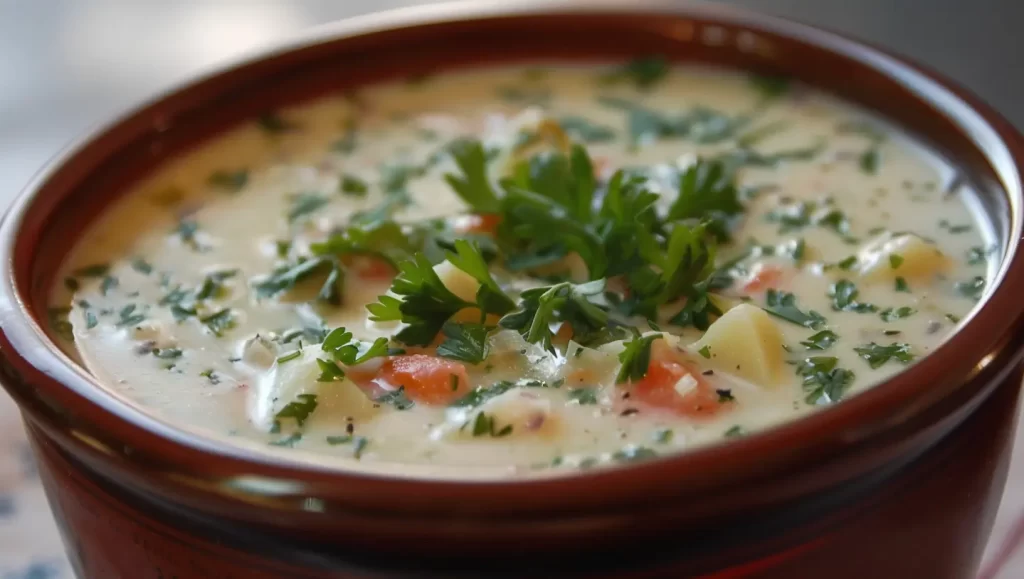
(824,382)
(823,340)
(635,358)
(877,355)
(232,181)
(783,305)
(583,396)
(893,314)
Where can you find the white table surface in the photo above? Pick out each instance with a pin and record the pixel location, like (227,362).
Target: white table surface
(66,64)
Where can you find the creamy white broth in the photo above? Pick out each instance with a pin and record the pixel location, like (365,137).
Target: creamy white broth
(281,180)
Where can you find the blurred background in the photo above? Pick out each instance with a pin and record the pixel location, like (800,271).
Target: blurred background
(67,64)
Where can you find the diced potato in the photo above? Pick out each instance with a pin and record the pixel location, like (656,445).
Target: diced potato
(906,255)
(745,342)
(457,281)
(284,382)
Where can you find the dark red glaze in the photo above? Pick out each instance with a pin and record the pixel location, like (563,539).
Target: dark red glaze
(900,481)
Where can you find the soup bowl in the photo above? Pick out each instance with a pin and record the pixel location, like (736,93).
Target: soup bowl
(902,480)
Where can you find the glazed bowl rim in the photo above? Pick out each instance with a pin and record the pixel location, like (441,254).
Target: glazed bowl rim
(879,403)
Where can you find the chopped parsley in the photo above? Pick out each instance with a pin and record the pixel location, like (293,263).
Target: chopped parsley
(876,355)
(142,266)
(663,435)
(783,305)
(484,425)
(219,321)
(954,229)
(289,356)
(635,358)
(707,191)
(108,284)
(540,308)
(60,324)
(844,298)
(895,260)
(288,441)
(978,255)
(464,342)
(585,130)
(869,160)
(823,340)
(824,382)
(96,270)
(583,396)
(901,285)
(129,316)
(305,204)
(893,314)
(329,371)
(643,73)
(705,351)
(770,87)
(352,185)
(735,431)
(167,353)
(273,124)
(396,398)
(231,181)
(342,348)
(972,288)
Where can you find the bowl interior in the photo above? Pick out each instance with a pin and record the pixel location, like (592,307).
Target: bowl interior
(62,201)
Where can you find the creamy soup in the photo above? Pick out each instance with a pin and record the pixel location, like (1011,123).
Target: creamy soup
(519,270)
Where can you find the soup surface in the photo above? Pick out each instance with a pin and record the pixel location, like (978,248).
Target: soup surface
(516,270)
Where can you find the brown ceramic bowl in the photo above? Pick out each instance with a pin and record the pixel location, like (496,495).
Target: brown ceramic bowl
(900,481)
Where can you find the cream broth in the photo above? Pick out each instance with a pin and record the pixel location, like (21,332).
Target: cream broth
(851,253)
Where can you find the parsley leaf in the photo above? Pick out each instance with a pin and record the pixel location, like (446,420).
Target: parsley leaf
(329,371)
(844,298)
(464,342)
(972,288)
(232,181)
(783,305)
(707,192)
(892,314)
(824,383)
(396,398)
(583,396)
(642,72)
(585,130)
(635,358)
(352,185)
(474,186)
(299,409)
(341,347)
(490,298)
(426,306)
(539,308)
(770,87)
(483,425)
(823,340)
(877,355)
(219,321)
(305,204)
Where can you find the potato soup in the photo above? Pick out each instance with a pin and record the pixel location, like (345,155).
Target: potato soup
(527,269)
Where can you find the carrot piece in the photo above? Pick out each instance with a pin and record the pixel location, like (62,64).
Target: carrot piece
(427,379)
(763,277)
(658,389)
